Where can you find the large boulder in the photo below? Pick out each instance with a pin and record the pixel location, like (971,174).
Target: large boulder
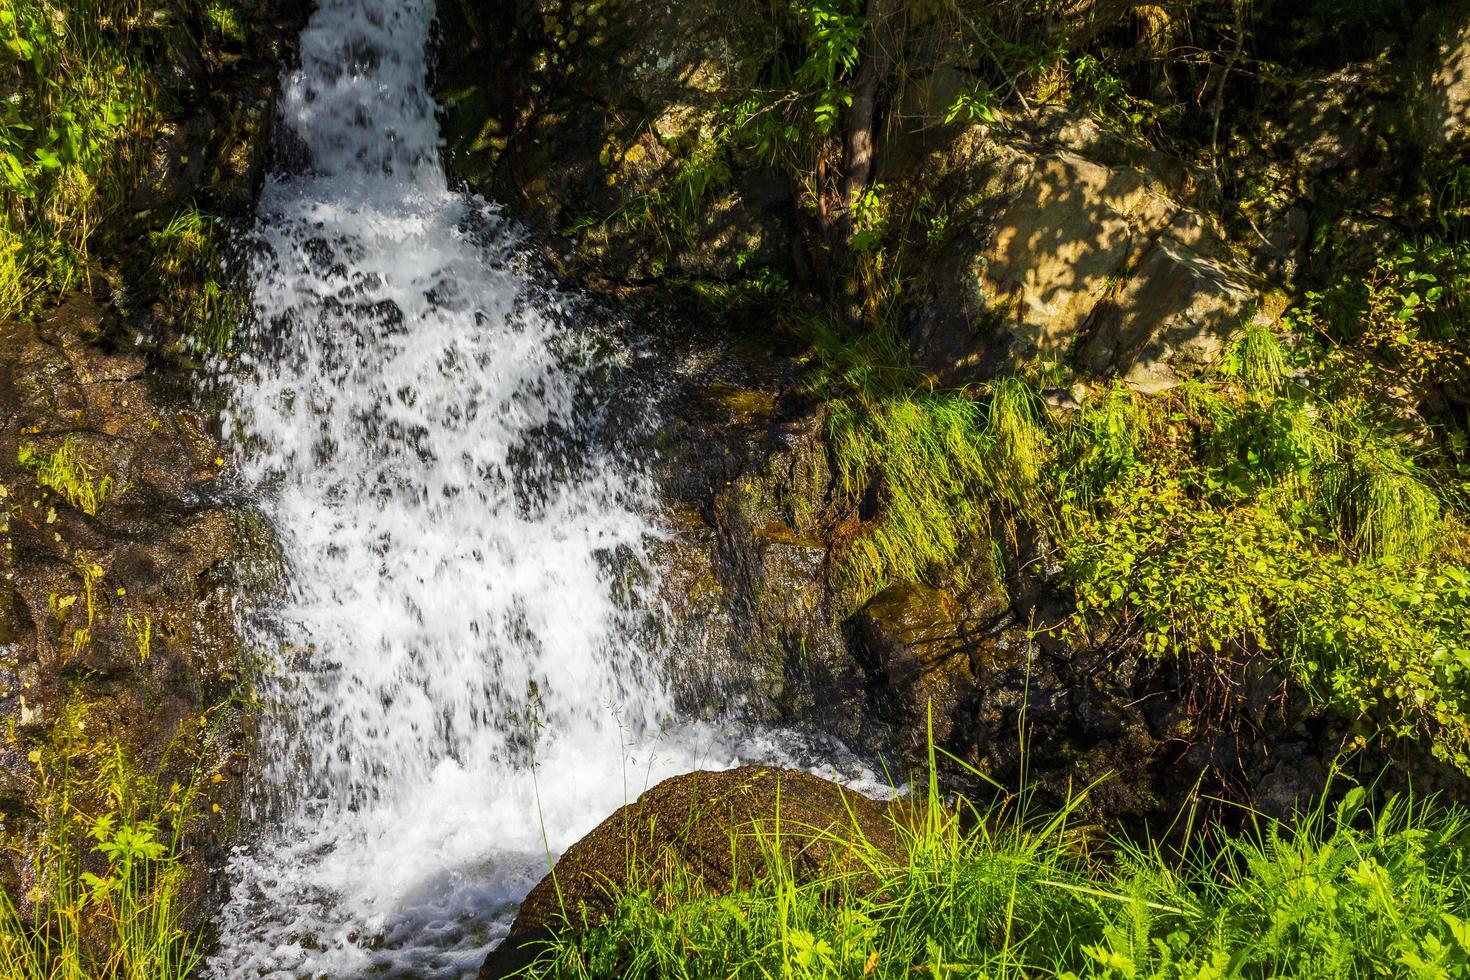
(708,828)
(1176,314)
(1088,259)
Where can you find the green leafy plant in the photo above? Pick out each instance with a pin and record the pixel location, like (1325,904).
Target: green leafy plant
(63,471)
(1254,515)
(108,890)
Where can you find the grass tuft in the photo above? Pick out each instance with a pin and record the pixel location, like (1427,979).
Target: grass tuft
(1340,890)
(62,470)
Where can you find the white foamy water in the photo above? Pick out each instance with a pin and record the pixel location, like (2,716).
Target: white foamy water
(460,686)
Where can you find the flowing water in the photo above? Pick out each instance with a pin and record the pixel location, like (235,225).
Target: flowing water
(461,681)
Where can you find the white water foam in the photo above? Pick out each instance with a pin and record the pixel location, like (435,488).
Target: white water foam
(462,686)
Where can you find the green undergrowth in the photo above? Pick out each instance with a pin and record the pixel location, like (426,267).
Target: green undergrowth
(104,890)
(1280,508)
(83,105)
(71,135)
(1344,890)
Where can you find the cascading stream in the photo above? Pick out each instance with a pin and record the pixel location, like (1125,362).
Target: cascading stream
(418,416)
(462,682)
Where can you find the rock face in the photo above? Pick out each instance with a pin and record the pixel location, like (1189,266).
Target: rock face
(214,138)
(921,644)
(121,568)
(705,825)
(613,111)
(1182,305)
(612,141)
(1087,261)
(1443,116)
(125,553)
(755,621)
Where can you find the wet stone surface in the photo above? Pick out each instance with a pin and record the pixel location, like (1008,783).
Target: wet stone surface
(122,569)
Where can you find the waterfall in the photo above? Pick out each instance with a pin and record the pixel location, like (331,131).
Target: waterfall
(456,678)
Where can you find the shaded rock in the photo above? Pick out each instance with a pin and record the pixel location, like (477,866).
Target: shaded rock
(1065,243)
(612,109)
(703,825)
(1331,124)
(952,327)
(752,619)
(788,657)
(212,142)
(1175,317)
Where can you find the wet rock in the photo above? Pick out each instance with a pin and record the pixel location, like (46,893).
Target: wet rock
(779,652)
(920,645)
(754,620)
(119,593)
(212,144)
(703,825)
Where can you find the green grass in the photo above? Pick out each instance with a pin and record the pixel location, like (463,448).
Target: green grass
(225,20)
(105,898)
(71,136)
(1347,890)
(63,471)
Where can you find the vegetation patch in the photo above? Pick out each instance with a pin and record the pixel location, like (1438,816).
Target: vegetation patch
(107,884)
(62,471)
(1345,890)
(71,137)
(1277,509)
(188,271)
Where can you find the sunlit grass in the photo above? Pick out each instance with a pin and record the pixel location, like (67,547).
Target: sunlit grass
(63,471)
(1348,889)
(105,899)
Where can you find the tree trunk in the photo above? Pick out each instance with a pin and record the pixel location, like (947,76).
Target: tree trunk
(857,168)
